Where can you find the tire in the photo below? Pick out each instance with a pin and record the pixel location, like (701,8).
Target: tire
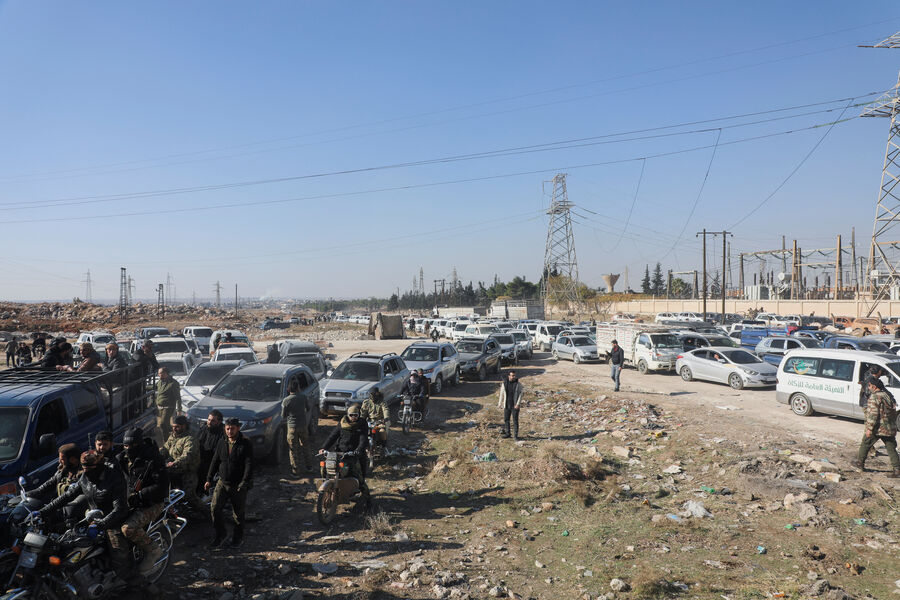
(456,378)
(642,367)
(686,374)
(576,359)
(801,405)
(371,461)
(326,506)
(438,386)
(163,538)
(482,373)
(278,455)
(735,381)
(405,420)
(555,355)
(313,428)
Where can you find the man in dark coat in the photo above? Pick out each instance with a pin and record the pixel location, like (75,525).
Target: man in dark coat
(350,436)
(233,463)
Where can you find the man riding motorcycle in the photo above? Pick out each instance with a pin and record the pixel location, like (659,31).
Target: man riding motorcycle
(350,436)
(375,409)
(417,389)
(147,487)
(103,486)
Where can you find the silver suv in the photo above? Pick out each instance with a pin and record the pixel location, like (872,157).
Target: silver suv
(354,378)
(439,361)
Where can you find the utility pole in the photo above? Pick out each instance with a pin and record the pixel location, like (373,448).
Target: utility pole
(795,274)
(725,235)
(87,287)
(854,274)
(838,275)
(703,233)
(235,301)
(218,289)
(783,254)
(741,275)
(123,294)
(160,300)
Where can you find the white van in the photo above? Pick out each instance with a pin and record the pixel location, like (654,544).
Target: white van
(828,380)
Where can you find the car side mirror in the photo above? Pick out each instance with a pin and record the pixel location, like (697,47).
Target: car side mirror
(204,390)
(445,359)
(47,444)
(388,375)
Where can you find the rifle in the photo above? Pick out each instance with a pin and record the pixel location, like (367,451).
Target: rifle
(139,484)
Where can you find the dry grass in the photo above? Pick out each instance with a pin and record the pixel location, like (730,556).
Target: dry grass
(379,523)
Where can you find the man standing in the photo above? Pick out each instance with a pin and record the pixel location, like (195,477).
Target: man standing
(233,462)
(273,356)
(511,393)
(617,360)
(146,358)
(182,459)
(881,424)
(23,354)
(293,411)
(168,401)
(147,487)
(208,439)
(11,347)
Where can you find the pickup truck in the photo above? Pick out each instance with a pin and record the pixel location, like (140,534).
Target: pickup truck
(41,410)
(274,324)
(647,347)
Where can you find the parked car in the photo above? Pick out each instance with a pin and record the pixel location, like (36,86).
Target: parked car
(253,394)
(509,351)
(814,334)
(480,330)
(164,345)
(545,334)
(828,381)
(459,330)
(438,360)
(353,380)
(854,343)
(99,339)
(235,353)
(666,317)
(577,348)
(179,365)
(478,357)
(236,335)
(773,349)
(203,378)
(734,366)
(690,317)
(692,341)
(523,342)
(145,333)
(320,367)
(201,335)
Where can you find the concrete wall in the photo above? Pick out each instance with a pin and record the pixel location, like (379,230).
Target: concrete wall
(821,308)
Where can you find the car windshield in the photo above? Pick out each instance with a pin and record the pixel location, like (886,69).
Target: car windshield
(472,347)
(313,362)
(208,374)
(418,354)
(581,340)
(13,421)
(666,340)
(554,329)
(202,332)
(742,357)
(809,342)
(504,338)
(356,370)
(247,355)
(460,327)
(716,340)
(165,347)
(155,331)
(249,388)
(520,336)
(175,367)
(102,340)
(873,346)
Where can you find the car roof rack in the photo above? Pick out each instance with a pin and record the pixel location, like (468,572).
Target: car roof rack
(373,355)
(50,377)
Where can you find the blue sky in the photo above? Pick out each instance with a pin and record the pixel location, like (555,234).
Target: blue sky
(105,101)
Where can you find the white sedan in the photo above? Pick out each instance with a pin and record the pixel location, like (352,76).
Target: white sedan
(577,348)
(734,366)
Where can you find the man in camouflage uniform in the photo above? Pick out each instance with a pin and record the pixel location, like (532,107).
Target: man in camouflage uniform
(294,413)
(375,409)
(881,424)
(182,458)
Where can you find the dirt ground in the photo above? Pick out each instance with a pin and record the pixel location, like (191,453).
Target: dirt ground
(667,489)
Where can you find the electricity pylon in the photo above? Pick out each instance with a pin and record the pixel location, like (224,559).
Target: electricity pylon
(559,283)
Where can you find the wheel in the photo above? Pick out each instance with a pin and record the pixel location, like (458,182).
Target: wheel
(642,366)
(438,386)
(800,405)
(162,537)
(735,381)
(326,506)
(313,428)
(482,373)
(279,452)
(456,378)
(686,374)
(576,359)
(371,460)
(555,355)
(406,420)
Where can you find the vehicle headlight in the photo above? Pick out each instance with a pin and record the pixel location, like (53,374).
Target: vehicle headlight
(321,393)
(253,423)
(749,371)
(361,394)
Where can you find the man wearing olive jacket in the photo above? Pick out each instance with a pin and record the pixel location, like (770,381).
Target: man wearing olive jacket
(233,462)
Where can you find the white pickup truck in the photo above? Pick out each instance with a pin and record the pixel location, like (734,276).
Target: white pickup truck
(647,347)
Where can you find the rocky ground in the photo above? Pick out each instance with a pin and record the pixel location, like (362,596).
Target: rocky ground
(632,495)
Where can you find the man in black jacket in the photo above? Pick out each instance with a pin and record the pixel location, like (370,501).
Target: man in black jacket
(103,486)
(208,438)
(617,360)
(148,485)
(350,436)
(233,462)
(67,473)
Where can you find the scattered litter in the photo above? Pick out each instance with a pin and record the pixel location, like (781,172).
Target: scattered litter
(695,509)
(369,564)
(325,568)
(715,564)
(728,408)
(761,550)
(675,518)
(859,521)
(708,489)
(673,469)
(486,457)
(565,533)
(793,526)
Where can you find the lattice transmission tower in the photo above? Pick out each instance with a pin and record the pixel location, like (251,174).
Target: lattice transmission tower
(559,283)
(884,258)
(123,294)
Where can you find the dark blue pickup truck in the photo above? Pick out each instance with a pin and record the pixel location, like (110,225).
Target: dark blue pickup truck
(41,410)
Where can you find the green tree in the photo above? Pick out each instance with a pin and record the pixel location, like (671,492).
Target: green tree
(393,302)
(658,285)
(680,288)
(645,282)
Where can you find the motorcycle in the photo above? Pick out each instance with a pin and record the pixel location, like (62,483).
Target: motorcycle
(338,488)
(375,442)
(407,415)
(76,563)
